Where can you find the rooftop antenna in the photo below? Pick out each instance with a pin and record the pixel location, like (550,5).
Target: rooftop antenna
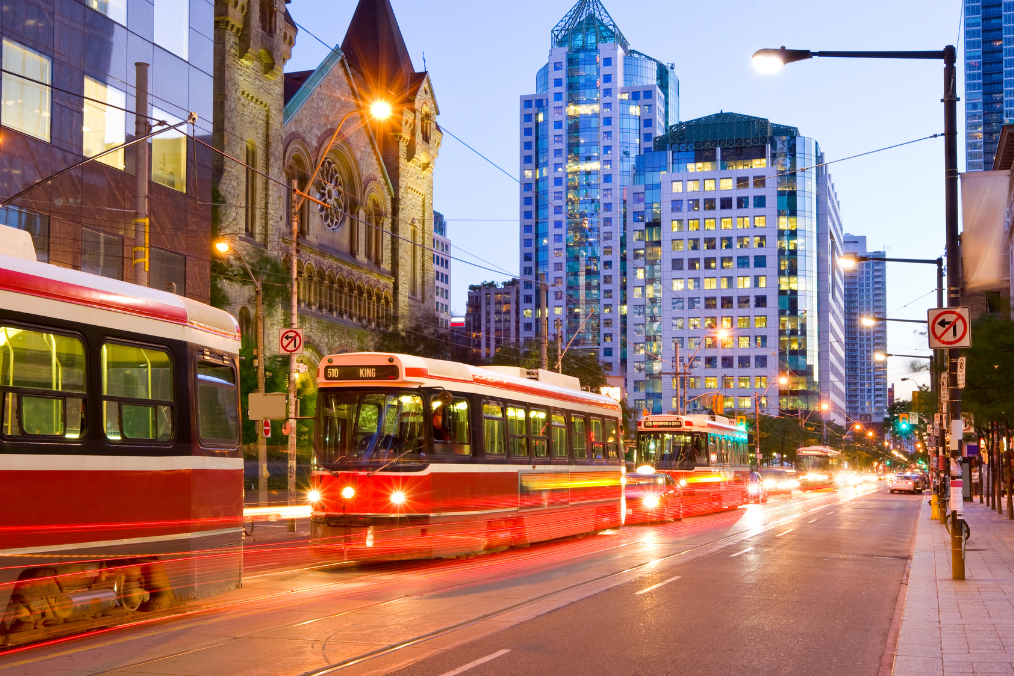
(424,63)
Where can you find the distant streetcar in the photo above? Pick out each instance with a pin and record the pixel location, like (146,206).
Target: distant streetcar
(817,466)
(121,479)
(420,458)
(706,455)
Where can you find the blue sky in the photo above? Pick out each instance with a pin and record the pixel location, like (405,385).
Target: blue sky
(483,55)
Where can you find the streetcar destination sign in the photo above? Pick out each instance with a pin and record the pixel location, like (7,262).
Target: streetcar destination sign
(379,372)
(661,424)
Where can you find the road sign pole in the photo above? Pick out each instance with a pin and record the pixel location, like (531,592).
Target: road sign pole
(293,257)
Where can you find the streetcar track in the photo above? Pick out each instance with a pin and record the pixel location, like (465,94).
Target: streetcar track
(746,533)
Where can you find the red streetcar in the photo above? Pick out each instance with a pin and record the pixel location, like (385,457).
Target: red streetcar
(419,458)
(121,480)
(706,455)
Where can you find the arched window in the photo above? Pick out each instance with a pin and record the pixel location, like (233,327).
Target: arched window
(250,202)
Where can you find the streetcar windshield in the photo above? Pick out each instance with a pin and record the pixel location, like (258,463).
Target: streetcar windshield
(369,428)
(665,450)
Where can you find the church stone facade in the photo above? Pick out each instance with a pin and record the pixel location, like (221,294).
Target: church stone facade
(364,259)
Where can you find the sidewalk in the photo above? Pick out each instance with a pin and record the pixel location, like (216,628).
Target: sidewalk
(952,627)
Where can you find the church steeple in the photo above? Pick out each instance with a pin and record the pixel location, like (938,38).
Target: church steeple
(375,49)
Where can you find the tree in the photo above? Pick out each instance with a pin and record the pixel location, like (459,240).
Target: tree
(421,341)
(989,372)
(584,366)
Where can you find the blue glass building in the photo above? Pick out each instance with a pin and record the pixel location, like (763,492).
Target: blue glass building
(989,78)
(597,104)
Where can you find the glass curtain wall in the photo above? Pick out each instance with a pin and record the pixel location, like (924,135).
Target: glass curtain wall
(798,322)
(583,157)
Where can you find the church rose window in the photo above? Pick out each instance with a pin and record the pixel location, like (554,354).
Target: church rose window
(331,191)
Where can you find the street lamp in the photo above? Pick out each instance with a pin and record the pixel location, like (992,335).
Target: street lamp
(882,356)
(224,247)
(378,110)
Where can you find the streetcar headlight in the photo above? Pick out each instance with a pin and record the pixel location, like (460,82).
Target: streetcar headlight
(348,492)
(313,495)
(754,488)
(683,483)
(650,501)
(397,498)
(770,483)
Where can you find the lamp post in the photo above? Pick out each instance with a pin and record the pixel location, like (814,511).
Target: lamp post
(379,110)
(770,61)
(225,248)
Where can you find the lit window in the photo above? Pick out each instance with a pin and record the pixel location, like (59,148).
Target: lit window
(760,221)
(742,282)
(726,224)
(693,186)
(693,225)
(760,281)
(678,285)
(26,104)
(710,283)
(169,155)
(725,184)
(677,186)
(709,223)
(709,185)
(677,245)
(760,322)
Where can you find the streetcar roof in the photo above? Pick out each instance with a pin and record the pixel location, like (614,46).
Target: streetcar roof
(693,421)
(415,371)
(47,290)
(818,450)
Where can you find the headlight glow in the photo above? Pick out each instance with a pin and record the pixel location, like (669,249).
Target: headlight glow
(313,495)
(645,469)
(348,492)
(770,483)
(397,498)
(754,488)
(683,483)
(650,501)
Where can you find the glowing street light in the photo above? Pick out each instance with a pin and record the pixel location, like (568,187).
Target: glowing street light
(868,321)
(380,110)
(847,262)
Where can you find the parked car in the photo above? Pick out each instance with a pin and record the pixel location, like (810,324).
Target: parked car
(755,488)
(780,481)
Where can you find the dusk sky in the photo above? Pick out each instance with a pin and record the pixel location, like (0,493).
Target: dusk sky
(482,56)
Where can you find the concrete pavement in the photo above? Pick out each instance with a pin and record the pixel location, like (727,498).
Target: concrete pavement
(959,627)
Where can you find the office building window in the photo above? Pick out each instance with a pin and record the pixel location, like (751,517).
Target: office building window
(759,201)
(169,155)
(167,271)
(101,254)
(37,225)
(104,127)
(26,104)
(172,26)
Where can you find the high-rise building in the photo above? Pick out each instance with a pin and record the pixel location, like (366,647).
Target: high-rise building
(493,317)
(441,271)
(597,103)
(989,79)
(865,297)
(733,235)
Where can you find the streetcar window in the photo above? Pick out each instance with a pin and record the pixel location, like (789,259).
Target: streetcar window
(701,450)
(137,393)
(559,435)
(217,414)
(492,428)
(612,440)
(51,367)
(578,436)
(597,438)
(517,427)
(540,428)
(369,427)
(450,427)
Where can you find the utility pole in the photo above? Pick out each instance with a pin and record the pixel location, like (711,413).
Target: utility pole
(141,174)
(262,443)
(756,434)
(679,395)
(544,316)
(293,256)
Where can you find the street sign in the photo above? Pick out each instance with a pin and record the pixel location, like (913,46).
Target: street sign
(961,373)
(913,419)
(266,428)
(266,406)
(969,421)
(290,341)
(948,327)
(937,422)
(957,499)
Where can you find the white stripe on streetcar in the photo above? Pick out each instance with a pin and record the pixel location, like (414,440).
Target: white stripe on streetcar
(811,521)
(656,586)
(742,552)
(482,660)
(783,533)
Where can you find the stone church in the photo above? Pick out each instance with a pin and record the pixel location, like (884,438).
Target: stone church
(364,261)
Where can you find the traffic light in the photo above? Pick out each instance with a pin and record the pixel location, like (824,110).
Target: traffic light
(903,422)
(741,422)
(718,404)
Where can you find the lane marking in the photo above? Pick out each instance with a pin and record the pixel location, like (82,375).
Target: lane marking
(811,521)
(471,665)
(656,586)
(742,552)
(783,533)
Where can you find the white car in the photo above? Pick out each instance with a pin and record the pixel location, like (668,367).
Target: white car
(902,482)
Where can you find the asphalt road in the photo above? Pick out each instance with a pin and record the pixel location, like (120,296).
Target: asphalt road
(815,597)
(804,584)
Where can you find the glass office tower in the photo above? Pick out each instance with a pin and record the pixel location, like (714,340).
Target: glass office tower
(733,247)
(597,104)
(989,79)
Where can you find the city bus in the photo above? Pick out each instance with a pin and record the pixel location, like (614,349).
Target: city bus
(706,455)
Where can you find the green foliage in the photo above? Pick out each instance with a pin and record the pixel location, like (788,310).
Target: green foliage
(275,372)
(424,341)
(989,372)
